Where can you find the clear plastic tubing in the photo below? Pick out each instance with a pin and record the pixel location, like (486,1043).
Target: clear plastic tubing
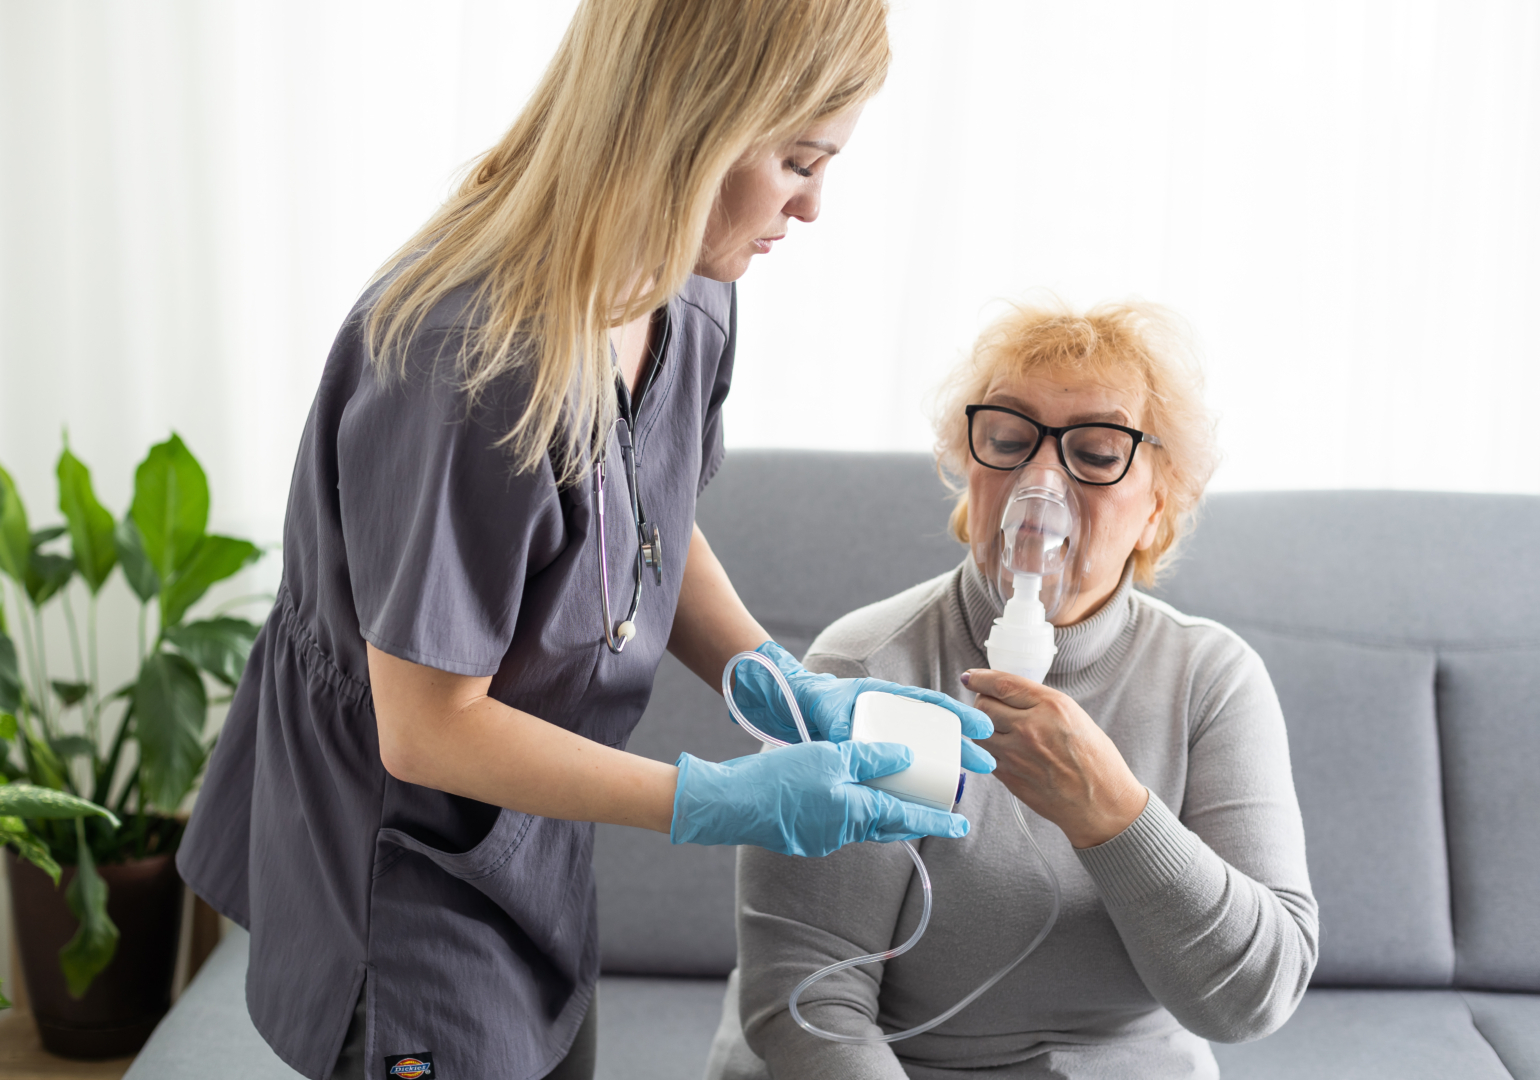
(919,865)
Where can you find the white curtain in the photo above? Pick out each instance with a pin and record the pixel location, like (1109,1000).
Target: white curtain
(1340,196)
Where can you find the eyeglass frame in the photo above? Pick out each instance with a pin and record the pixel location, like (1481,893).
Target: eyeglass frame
(1044,432)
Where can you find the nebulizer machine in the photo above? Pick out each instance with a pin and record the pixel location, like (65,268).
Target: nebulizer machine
(1036,553)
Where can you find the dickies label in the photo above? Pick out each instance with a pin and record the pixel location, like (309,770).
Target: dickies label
(410,1067)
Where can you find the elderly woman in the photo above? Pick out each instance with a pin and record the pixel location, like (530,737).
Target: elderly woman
(1152,761)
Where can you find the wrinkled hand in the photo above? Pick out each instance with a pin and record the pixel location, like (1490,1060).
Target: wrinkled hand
(827,703)
(802,799)
(1054,758)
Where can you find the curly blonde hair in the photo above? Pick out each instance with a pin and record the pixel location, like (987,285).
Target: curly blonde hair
(1136,345)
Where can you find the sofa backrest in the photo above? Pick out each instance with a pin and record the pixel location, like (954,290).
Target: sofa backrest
(1396,626)
(1400,630)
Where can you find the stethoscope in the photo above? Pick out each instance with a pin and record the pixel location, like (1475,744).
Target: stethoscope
(649,544)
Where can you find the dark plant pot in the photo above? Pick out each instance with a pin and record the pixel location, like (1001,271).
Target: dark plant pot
(129,997)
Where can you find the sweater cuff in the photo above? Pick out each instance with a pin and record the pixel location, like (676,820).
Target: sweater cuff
(1143,859)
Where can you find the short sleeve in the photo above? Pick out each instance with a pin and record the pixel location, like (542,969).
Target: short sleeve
(713,449)
(440,532)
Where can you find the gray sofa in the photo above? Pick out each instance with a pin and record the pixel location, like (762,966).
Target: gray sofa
(1401,631)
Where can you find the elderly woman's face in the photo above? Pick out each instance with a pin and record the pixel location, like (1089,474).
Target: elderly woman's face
(1119,519)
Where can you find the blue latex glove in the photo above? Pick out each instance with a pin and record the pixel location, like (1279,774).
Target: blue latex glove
(827,704)
(803,799)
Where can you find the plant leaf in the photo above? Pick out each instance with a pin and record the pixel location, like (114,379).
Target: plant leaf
(218,646)
(70,692)
(31,801)
(69,746)
(10,676)
(93,946)
(47,574)
(15,537)
(141,575)
(43,536)
(44,764)
(7,726)
(170,707)
(30,847)
(214,559)
(90,525)
(171,504)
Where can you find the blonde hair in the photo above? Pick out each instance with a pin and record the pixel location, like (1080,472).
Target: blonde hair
(604,184)
(1131,345)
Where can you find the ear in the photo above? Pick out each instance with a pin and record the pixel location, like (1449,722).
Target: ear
(1152,525)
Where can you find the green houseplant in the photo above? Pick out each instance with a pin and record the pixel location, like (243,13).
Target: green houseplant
(93,778)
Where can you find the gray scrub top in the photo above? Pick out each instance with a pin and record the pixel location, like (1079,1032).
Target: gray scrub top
(407,528)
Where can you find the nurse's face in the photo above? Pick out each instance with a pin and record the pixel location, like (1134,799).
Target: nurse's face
(766,189)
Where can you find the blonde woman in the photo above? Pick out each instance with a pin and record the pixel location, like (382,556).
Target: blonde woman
(1152,761)
(490,541)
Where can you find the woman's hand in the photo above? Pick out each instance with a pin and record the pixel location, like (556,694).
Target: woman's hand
(1054,758)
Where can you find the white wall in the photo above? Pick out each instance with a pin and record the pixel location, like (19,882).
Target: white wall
(1341,195)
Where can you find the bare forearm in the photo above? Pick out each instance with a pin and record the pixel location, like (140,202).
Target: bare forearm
(496,754)
(443,731)
(711,624)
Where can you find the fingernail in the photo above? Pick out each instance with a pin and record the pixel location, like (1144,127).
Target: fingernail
(966,676)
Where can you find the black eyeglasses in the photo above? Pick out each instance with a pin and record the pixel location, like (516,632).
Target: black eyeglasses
(1099,454)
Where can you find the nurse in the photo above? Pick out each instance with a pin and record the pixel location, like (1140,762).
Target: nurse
(490,541)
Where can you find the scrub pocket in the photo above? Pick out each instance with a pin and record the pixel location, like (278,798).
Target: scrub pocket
(458,941)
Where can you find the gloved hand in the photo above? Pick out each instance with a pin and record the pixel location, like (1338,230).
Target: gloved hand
(827,704)
(803,799)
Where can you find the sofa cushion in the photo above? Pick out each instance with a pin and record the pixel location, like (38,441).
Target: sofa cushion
(1511,1023)
(656,1029)
(1369,1035)
(1393,567)
(1489,703)
(809,536)
(1363,742)
(1454,576)
(208,1031)
(649,1029)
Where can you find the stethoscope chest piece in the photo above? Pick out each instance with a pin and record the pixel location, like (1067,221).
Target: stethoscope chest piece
(652,551)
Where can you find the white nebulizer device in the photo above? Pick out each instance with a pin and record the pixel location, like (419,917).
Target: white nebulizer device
(932,734)
(1038,544)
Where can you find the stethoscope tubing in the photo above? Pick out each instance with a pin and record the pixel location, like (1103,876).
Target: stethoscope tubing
(613,638)
(649,549)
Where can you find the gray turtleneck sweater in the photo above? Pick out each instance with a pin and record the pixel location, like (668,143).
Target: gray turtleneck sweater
(1196,922)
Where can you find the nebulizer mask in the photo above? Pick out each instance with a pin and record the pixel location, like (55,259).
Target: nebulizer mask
(1037,553)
